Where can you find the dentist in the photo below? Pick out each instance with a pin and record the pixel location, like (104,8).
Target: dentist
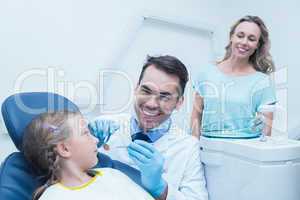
(167,157)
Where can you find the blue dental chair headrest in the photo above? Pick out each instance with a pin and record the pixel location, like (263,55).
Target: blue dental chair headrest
(19,109)
(17,178)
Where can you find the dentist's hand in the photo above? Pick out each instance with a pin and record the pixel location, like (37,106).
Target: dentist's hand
(150,163)
(103,129)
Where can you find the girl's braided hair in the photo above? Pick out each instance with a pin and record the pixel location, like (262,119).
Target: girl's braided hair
(39,145)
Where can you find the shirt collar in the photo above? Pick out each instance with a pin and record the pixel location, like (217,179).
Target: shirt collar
(154,133)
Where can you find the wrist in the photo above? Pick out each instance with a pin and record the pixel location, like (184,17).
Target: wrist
(159,189)
(164,195)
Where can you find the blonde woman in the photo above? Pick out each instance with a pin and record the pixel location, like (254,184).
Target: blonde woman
(232,94)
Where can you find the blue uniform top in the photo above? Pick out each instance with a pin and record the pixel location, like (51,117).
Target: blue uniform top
(232,102)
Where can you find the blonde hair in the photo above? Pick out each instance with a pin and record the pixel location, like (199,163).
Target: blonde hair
(261,59)
(39,144)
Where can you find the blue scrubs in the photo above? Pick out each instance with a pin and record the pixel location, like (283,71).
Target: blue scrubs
(232,102)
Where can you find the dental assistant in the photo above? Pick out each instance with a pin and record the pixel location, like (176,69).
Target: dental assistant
(166,156)
(232,94)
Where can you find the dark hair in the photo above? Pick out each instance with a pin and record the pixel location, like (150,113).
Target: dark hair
(170,65)
(39,145)
(261,58)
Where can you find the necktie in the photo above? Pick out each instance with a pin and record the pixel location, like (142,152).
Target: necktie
(140,136)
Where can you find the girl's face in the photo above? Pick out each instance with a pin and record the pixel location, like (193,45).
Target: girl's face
(245,40)
(82,144)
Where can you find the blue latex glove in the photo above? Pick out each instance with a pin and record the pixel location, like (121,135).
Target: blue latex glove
(103,129)
(150,163)
(257,124)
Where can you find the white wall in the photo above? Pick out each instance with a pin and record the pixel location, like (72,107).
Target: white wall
(76,37)
(79,38)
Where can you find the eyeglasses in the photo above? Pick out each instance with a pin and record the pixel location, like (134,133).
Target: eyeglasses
(147,93)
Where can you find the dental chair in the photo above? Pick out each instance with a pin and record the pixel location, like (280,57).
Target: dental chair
(17,178)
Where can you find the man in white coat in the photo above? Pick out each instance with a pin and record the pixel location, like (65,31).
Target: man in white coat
(167,157)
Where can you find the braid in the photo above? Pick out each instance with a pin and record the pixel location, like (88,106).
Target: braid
(40,140)
(53,175)
(53,161)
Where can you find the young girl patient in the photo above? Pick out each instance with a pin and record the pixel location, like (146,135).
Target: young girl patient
(60,145)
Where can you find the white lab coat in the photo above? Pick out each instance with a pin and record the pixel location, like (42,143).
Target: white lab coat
(183,170)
